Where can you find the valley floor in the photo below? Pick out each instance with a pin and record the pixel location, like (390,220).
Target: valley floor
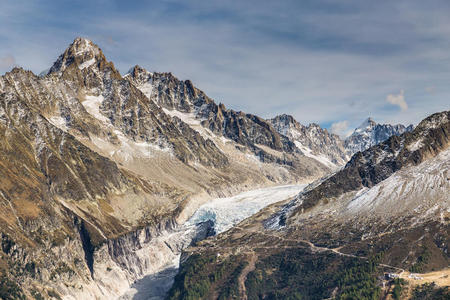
(440,278)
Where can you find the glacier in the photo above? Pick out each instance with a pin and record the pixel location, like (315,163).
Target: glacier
(227,212)
(223,214)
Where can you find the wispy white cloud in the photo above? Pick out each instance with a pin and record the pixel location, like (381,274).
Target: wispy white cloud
(341,128)
(398,100)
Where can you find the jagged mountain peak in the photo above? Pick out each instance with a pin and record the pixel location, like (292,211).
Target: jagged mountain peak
(285,118)
(368,123)
(136,70)
(316,126)
(285,124)
(289,120)
(139,75)
(83,54)
(82,45)
(164,88)
(18,70)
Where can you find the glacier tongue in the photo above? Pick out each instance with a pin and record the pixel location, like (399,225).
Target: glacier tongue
(224,213)
(227,212)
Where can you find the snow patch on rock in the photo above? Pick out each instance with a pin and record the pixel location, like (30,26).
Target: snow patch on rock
(87,64)
(147,88)
(59,122)
(188,118)
(415,146)
(92,106)
(320,158)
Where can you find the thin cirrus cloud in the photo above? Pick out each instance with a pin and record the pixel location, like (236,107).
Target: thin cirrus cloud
(322,61)
(341,128)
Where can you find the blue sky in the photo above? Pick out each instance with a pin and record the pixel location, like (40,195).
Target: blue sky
(330,62)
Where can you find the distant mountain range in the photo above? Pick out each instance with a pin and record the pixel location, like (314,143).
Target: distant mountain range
(312,140)
(330,149)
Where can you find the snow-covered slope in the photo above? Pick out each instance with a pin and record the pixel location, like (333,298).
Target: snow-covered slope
(420,191)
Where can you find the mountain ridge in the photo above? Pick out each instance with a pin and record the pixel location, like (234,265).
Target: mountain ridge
(312,140)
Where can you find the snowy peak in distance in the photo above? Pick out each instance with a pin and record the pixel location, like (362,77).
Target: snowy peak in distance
(370,133)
